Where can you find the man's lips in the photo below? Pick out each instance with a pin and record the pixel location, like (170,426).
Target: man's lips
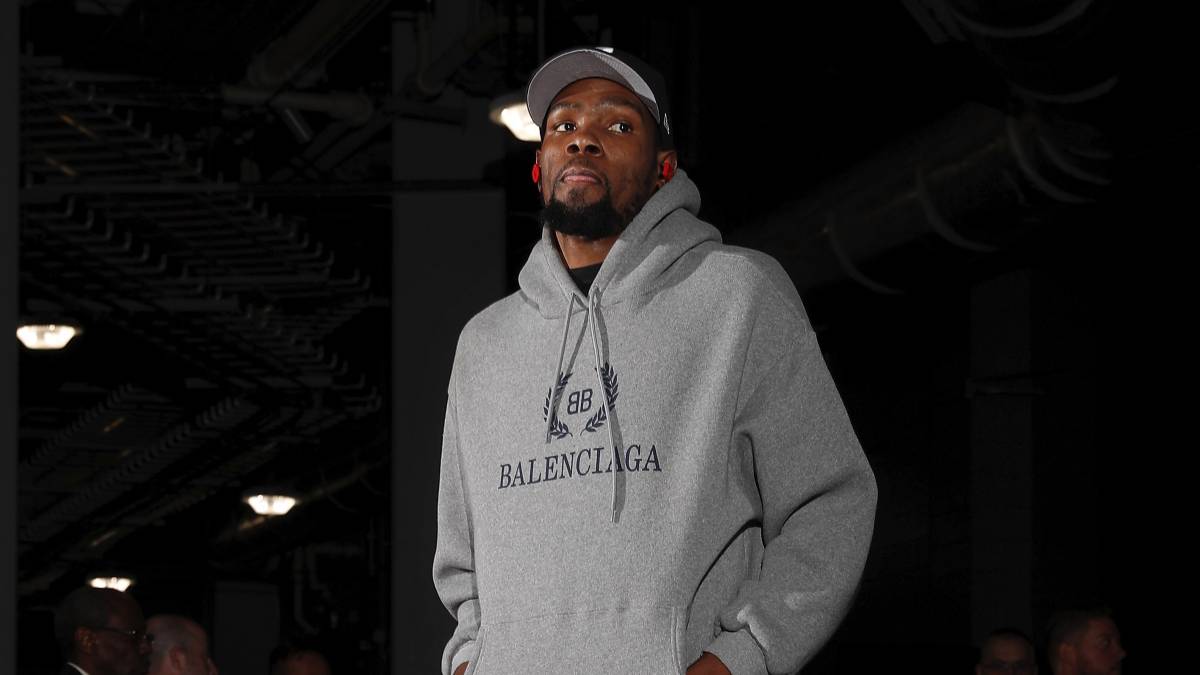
(577,175)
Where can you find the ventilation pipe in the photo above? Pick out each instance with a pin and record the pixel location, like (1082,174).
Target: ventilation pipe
(296,60)
(353,108)
(294,57)
(430,80)
(979,178)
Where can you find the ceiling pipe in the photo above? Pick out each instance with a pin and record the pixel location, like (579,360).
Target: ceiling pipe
(1059,62)
(295,57)
(979,178)
(351,107)
(429,81)
(954,180)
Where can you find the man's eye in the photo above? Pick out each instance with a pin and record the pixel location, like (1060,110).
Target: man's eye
(623,127)
(564,126)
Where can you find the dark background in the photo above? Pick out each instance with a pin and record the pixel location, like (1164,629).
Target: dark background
(975,199)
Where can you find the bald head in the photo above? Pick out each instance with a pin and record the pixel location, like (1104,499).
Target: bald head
(1006,651)
(301,662)
(180,646)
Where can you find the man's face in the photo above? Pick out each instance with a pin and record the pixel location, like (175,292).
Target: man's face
(1098,651)
(175,654)
(598,159)
(1006,655)
(120,647)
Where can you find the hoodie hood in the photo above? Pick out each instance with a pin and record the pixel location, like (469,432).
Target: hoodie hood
(662,231)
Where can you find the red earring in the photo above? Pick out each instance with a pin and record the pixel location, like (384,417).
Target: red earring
(537,172)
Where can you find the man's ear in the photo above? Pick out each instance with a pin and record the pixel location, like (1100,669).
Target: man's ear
(178,659)
(669,157)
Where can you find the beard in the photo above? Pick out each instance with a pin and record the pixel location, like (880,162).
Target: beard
(591,221)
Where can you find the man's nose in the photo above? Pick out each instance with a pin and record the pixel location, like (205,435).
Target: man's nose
(583,143)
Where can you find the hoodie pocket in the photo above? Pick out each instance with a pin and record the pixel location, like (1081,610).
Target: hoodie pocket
(637,639)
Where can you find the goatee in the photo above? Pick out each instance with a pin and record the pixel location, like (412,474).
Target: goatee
(593,221)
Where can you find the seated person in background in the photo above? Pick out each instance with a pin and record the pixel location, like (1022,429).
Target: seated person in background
(180,647)
(293,659)
(1084,642)
(101,631)
(1006,650)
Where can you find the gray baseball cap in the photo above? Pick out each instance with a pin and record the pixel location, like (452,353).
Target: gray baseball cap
(621,67)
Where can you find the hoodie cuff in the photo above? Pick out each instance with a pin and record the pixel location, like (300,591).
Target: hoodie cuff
(465,653)
(739,652)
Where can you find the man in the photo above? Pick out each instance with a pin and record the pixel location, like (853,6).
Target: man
(1006,651)
(646,467)
(1084,642)
(101,631)
(180,647)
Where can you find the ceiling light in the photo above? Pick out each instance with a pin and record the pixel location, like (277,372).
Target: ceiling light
(117,583)
(47,335)
(268,504)
(509,110)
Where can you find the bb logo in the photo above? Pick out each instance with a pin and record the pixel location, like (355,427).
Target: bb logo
(580,401)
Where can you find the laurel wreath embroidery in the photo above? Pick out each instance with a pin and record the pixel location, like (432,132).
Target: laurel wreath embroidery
(608,375)
(558,428)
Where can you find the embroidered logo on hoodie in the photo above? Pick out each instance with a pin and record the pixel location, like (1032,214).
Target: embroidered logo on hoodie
(580,402)
(584,461)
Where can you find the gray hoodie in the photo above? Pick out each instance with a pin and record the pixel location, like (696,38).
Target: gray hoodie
(733,517)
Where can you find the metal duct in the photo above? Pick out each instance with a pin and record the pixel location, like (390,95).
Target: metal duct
(429,81)
(978,178)
(296,59)
(310,42)
(1059,61)
(354,108)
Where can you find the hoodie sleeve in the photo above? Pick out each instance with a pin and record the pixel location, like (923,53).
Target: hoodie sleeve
(816,488)
(454,558)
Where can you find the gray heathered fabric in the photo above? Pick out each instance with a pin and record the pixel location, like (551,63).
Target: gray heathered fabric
(743,502)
